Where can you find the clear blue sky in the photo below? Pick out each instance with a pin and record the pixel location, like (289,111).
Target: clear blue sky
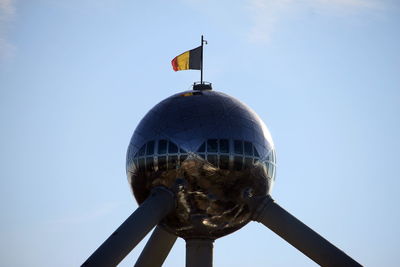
(76,77)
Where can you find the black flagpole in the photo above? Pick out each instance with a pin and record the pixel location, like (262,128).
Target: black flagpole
(201,61)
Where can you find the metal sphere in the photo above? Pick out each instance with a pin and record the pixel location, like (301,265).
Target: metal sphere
(214,147)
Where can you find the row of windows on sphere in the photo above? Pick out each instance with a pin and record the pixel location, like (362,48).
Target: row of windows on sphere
(171,162)
(163,147)
(222,153)
(221,146)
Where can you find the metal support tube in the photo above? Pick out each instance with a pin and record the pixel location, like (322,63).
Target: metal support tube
(299,235)
(199,252)
(160,202)
(157,249)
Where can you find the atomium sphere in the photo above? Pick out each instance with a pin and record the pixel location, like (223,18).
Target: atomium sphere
(215,146)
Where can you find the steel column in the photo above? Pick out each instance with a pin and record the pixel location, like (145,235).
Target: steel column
(157,249)
(134,229)
(199,252)
(298,234)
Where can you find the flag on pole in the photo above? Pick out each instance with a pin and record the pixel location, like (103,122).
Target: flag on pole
(190,60)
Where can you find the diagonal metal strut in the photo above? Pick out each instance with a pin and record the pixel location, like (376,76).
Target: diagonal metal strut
(160,202)
(299,235)
(157,249)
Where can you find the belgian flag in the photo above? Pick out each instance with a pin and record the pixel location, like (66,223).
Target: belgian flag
(190,60)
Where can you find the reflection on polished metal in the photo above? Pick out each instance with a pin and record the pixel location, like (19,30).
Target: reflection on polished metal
(201,164)
(157,249)
(217,145)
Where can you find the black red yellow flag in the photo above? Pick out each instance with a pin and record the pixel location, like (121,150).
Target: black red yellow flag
(190,60)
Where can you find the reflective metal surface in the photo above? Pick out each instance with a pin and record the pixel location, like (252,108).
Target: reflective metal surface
(213,144)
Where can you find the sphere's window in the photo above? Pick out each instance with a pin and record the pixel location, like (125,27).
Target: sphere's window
(162,163)
(248,162)
(150,164)
(172,162)
(271,170)
(212,159)
(224,145)
(248,149)
(237,163)
(256,152)
(142,164)
(238,147)
(181,150)
(150,148)
(202,148)
(224,162)
(212,145)
(202,155)
(183,157)
(172,148)
(142,150)
(162,147)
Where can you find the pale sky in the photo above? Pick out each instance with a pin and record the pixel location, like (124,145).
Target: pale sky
(76,77)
